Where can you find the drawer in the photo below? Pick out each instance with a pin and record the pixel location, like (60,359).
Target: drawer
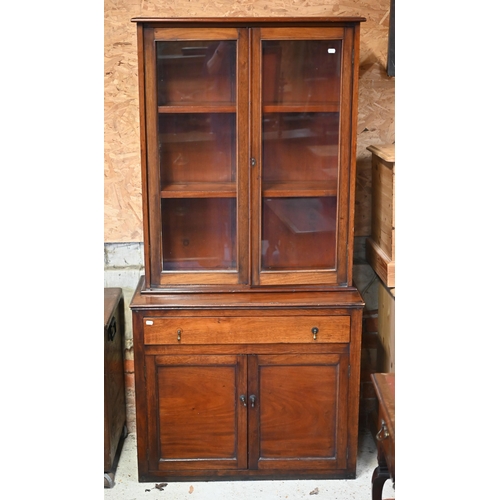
(246,330)
(386,443)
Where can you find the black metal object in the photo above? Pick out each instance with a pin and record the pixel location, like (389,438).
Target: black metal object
(391,50)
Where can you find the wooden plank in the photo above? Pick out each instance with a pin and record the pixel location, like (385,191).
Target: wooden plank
(304,107)
(381,263)
(386,328)
(202,107)
(383,205)
(386,152)
(199,190)
(299,188)
(184,33)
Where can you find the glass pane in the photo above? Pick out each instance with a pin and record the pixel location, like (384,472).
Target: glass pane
(299,233)
(196,72)
(301,71)
(197,147)
(199,234)
(300,163)
(300,147)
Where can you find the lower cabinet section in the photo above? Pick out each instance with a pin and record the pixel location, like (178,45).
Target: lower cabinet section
(258,412)
(246,410)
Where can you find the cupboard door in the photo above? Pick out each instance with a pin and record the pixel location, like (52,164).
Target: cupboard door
(300,129)
(196,420)
(299,414)
(196,108)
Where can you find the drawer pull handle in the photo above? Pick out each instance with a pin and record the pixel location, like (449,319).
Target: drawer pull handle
(315,331)
(179,335)
(243,400)
(383,433)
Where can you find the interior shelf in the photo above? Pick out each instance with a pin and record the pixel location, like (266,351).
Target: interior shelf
(301,107)
(276,189)
(203,107)
(199,190)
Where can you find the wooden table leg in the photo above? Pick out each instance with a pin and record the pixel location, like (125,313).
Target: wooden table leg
(379,477)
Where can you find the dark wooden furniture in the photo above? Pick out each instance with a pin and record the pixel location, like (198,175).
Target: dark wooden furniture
(384,384)
(247,326)
(115,429)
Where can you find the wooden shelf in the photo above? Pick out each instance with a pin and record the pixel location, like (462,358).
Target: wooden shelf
(302,107)
(202,107)
(199,190)
(298,189)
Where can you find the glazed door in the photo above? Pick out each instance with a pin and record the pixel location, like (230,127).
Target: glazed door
(301,123)
(196,111)
(196,420)
(298,411)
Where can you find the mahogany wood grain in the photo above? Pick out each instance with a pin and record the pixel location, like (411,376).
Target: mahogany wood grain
(188,34)
(200,424)
(246,330)
(202,107)
(355,36)
(245,21)
(141,402)
(199,190)
(321,374)
(276,189)
(247,360)
(293,301)
(290,434)
(301,107)
(144,151)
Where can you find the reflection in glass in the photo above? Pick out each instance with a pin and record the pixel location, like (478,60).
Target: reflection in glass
(299,233)
(197,147)
(199,233)
(300,147)
(300,162)
(196,72)
(301,71)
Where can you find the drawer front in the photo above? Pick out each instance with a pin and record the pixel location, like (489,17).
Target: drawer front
(386,441)
(244,330)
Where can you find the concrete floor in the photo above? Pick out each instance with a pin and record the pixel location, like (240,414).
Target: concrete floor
(126,486)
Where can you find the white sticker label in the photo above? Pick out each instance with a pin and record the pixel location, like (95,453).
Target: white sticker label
(149,322)
(331,51)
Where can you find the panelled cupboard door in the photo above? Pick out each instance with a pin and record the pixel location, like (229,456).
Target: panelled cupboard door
(196,101)
(301,112)
(298,415)
(195,418)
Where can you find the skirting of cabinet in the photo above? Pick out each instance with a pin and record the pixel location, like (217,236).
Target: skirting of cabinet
(245,475)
